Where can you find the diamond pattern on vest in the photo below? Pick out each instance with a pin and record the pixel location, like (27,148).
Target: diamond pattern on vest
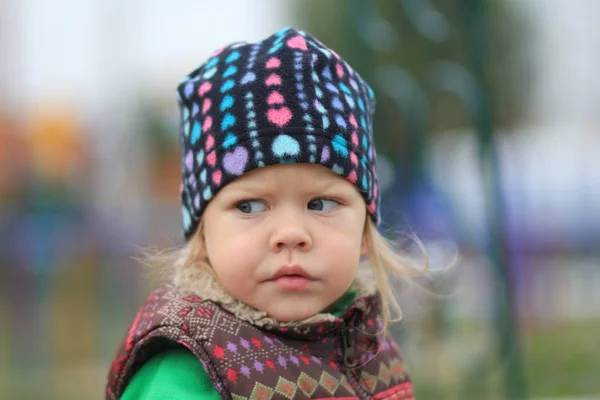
(247,362)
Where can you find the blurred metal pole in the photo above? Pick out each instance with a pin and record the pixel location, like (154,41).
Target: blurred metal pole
(508,344)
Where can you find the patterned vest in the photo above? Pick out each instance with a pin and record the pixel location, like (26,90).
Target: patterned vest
(341,359)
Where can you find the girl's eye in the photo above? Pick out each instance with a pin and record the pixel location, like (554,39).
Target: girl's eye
(251,206)
(323,204)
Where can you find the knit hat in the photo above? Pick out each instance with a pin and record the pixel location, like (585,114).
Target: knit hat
(286,99)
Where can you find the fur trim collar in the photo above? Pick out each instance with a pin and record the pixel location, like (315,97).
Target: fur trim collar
(205,285)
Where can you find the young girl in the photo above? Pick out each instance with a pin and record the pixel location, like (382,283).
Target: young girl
(280,204)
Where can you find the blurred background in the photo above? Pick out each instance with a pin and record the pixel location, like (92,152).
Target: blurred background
(487,130)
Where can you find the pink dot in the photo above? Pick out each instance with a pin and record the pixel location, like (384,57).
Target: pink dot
(205,87)
(280,116)
(352,176)
(340,70)
(273,80)
(371,207)
(353,121)
(273,63)
(275,98)
(211,158)
(353,158)
(354,138)
(217,177)
(206,105)
(210,141)
(207,124)
(297,42)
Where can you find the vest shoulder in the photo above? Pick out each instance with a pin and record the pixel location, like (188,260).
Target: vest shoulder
(169,317)
(175,314)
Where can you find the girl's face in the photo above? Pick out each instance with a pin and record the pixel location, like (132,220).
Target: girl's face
(286,239)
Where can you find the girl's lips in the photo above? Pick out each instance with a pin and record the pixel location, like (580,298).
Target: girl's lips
(291,270)
(292,282)
(291,277)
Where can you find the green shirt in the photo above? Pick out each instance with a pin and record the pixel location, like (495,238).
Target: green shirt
(176,374)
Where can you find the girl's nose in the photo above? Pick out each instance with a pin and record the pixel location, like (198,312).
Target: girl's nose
(290,232)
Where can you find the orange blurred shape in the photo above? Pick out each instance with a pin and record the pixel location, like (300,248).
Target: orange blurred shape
(58,145)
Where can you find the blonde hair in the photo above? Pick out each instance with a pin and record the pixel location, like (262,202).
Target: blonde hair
(389,264)
(385,260)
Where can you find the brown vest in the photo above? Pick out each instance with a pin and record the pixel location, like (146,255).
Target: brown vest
(344,359)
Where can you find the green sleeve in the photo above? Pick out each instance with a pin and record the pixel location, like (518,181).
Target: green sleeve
(173,375)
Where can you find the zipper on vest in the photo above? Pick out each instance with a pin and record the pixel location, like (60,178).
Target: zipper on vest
(349,359)
(349,347)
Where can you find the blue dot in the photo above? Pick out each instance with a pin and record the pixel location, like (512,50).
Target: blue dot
(337,169)
(340,121)
(349,100)
(226,103)
(186,128)
(212,62)
(361,105)
(274,48)
(337,104)
(282,31)
(185,113)
(345,88)
(319,92)
(232,57)
(189,88)
(230,140)
(285,145)
(196,131)
(331,88)
(227,122)
(227,85)
(187,220)
(231,70)
(339,145)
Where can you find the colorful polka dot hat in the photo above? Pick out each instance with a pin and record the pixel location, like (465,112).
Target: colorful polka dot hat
(286,99)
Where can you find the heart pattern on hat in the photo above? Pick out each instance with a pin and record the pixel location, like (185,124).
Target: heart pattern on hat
(284,99)
(235,162)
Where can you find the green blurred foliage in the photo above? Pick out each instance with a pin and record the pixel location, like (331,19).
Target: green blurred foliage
(347,25)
